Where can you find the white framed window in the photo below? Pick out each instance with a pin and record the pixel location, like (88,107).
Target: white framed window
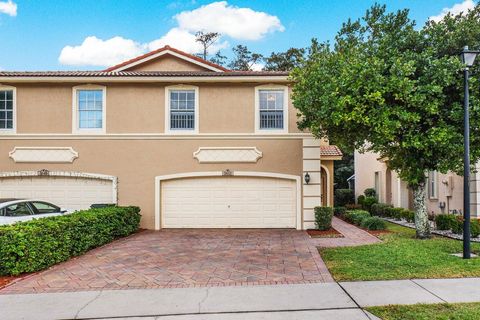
(8,109)
(271,109)
(181,109)
(89,109)
(433,184)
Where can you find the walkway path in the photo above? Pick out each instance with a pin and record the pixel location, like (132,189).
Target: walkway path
(344,300)
(353,236)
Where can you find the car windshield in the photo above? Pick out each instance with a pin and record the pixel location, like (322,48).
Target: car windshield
(18,210)
(44,207)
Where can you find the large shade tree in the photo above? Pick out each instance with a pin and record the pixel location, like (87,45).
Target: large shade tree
(393,88)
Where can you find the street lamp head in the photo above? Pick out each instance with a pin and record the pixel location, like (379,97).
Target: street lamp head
(468,56)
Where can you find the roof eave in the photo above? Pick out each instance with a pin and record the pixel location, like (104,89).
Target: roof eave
(180,79)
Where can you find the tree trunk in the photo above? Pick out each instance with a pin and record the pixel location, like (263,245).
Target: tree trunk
(421,217)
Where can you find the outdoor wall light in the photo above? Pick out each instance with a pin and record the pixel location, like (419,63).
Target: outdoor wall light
(307,178)
(468,56)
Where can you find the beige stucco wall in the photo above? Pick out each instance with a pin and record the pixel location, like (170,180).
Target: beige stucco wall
(366,164)
(140,108)
(137,162)
(167,63)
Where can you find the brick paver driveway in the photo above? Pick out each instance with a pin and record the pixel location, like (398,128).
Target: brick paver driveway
(184,258)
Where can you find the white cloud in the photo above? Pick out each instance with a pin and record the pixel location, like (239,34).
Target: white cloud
(232,21)
(257,66)
(183,40)
(98,52)
(454,10)
(8,7)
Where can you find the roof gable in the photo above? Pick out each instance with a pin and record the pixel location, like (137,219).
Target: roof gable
(167,59)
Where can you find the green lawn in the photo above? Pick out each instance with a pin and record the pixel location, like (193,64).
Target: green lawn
(457,311)
(401,256)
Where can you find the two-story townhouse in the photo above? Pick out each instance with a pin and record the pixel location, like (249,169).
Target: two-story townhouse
(193,144)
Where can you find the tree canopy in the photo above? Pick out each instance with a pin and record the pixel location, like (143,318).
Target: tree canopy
(390,87)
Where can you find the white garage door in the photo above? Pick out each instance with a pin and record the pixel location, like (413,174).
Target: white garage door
(66,192)
(229,202)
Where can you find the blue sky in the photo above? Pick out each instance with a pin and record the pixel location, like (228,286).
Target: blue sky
(34,34)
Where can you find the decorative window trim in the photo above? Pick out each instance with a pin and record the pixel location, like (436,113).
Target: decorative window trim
(285,108)
(75,126)
(227,154)
(43,154)
(432,193)
(14,125)
(167,109)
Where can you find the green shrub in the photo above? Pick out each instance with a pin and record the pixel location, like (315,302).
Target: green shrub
(38,244)
(368,202)
(353,206)
(394,213)
(378,209)
(445,221)
(457,225)
(356,216)
(323,218)
(360,199)
(339,211)
(370,192)
(343,197)
(408,215)
(373,223)
(474,228)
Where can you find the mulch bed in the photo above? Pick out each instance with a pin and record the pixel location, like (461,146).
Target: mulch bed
(330,233)
(7,280)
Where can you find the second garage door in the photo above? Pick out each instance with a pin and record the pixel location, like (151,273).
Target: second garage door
(229,202)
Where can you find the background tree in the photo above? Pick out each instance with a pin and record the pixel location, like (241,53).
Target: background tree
(397,90)
(206,39)
(344,169)
(243,59)
(285,61)
(219,59)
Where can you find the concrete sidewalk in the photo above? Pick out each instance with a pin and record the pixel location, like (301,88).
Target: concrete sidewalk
(297,301)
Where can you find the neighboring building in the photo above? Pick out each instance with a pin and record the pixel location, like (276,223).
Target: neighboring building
(444,191)
(190,142)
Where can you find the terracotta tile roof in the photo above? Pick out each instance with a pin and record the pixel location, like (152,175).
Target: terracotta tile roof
(329,151)
(139,73)
(165,48)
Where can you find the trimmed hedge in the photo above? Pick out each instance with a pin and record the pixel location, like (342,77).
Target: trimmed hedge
(370,192)
(373,223)
(445,221)
(343,197)
(379,209)
(356,216)
(368,202)
(38,244)
(323,218)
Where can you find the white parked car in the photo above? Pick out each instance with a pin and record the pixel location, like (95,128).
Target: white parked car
(16,210)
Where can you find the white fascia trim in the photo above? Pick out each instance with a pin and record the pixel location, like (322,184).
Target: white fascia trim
(159,54)
(160,179)
(253,78)
(328,184)
(167,109)
(68,174)
(75,128)
(285,108)
(14,129)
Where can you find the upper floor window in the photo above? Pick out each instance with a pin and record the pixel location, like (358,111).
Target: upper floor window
(182,112)
(7,109)
(433,184)
(271,109)
(89,109)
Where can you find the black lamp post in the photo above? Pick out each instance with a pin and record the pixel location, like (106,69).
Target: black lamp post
(468,58)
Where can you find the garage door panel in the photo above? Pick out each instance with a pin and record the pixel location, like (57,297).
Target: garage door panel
(229,202)
(70,193)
